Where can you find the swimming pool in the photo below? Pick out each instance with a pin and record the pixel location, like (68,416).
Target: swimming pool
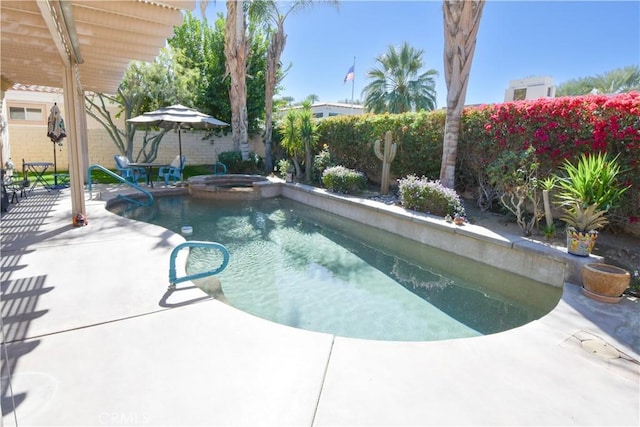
(303,267)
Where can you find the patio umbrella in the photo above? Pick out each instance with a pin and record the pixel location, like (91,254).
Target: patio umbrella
(178,117)
(55,131)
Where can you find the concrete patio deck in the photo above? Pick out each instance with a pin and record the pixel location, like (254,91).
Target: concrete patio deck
(91,336)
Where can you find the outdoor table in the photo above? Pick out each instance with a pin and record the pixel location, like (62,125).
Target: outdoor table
(148,167)
(37,169)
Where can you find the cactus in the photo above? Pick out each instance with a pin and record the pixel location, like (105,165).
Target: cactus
(387,157)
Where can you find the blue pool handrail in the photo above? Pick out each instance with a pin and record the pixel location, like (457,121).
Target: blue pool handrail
(173,280)
(149,200)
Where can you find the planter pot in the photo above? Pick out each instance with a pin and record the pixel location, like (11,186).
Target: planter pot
(604,282)
(580,243)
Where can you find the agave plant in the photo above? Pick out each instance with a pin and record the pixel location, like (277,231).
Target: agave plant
(584,219)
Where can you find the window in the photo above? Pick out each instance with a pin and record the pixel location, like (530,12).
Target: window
(318,115)
(333,114)
(26,114)
(520,94)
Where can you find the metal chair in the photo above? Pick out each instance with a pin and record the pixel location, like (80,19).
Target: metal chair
(173,171)
(129,173)
(11,186)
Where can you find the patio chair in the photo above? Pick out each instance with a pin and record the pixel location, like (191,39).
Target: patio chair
(11,186)
(130,173)
(173,171)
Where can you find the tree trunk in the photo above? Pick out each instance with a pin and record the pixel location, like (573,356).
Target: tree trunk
(308,169)
(276,47)
(235,50)
(461,22)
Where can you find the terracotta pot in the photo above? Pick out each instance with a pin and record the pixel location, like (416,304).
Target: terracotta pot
(604,282)
(580,243)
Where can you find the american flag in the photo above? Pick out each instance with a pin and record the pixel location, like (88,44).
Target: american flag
(349,75)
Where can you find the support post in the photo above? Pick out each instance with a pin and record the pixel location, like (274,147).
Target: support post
(76,170)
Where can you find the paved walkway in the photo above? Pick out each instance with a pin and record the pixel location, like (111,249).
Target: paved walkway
(91,336)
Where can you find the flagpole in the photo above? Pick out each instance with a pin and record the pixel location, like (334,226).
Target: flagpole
(353,80)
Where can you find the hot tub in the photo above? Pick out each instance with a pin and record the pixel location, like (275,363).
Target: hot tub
(233,187)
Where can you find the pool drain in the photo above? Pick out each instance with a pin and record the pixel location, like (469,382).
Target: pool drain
(600,348)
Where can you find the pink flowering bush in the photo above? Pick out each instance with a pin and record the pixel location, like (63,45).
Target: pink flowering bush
(558,129)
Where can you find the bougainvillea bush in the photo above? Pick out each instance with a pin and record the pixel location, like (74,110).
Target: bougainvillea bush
(558,129)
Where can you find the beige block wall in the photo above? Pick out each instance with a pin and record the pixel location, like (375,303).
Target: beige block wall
(29,142)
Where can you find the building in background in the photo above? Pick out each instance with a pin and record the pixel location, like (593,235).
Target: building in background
(530,88)
(321,110)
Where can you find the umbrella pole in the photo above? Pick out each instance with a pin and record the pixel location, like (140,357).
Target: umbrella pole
(180,148)
(55,167)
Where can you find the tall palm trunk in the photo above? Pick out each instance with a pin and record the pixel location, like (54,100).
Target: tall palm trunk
(236,48)
(461,22)
(276,47)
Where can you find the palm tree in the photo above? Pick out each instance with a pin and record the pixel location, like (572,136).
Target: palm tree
(299,133)
(620,80)
(291,141)
(312,98)
(274,18)
(309,137)
(397,87)
(461,22)
(236,49)
(287,100)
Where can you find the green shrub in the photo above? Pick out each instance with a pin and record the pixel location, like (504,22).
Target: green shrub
(342,180)
(321,161)
(234,163)
(423,195)
(419,137)
(283,166)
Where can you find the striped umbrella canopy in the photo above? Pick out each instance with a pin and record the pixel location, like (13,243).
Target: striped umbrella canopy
(177,117)
(56,132)
(55,125)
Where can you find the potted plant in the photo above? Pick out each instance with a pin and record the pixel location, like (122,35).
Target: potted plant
(604,282)
(587,191)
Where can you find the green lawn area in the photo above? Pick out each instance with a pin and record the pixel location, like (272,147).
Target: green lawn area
(99,177)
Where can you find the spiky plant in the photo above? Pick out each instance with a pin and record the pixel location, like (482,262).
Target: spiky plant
(594,180)
(584,219)
(589,190)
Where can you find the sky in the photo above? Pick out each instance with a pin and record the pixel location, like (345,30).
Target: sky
(517,39)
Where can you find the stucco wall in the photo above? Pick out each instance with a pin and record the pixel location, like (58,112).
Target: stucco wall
(29,142)
(28,139)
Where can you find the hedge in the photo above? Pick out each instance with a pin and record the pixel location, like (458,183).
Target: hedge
(558,129)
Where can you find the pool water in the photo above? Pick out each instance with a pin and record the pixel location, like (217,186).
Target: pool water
(306,268)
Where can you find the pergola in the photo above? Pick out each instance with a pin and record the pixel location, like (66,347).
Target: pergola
(81,45)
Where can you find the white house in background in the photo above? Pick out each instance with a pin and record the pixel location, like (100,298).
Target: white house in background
(530,88)
(322,110)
